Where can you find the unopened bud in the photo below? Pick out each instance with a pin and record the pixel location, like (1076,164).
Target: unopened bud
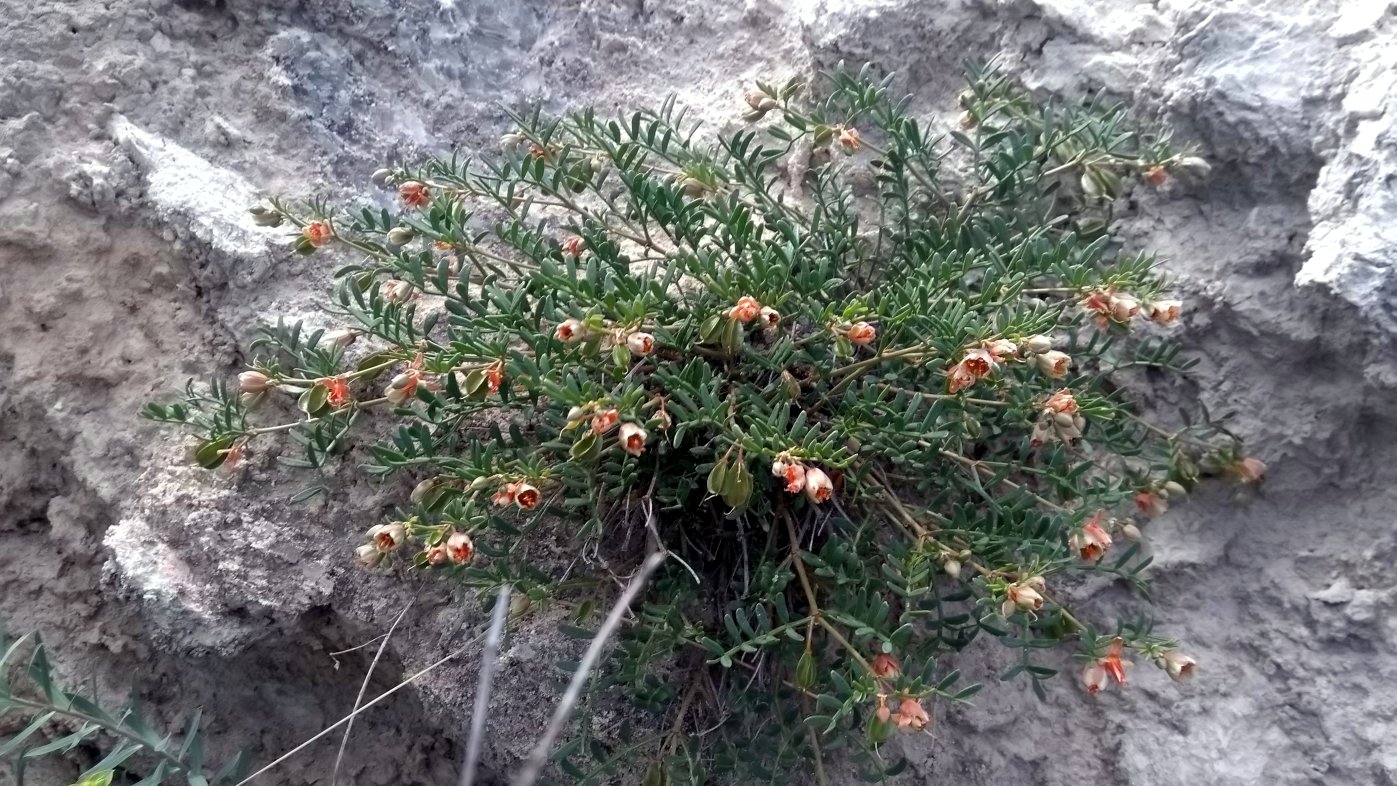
(1195,166)
(400,236)
(264,217)
(254,382)
(1131,532)
(1037,345)
(382,177)
(421,489)
(1175,489)
(952,568)
(340,338)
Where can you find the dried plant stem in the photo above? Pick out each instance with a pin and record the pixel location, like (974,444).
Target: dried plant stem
(364,688)
(489,659)
(538,757)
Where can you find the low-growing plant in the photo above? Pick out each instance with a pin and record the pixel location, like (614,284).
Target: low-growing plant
(859,379)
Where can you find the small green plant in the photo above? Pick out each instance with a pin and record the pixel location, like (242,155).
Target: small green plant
(59,721)
(868,411)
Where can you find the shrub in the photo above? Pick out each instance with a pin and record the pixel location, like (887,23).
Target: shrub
(858,380)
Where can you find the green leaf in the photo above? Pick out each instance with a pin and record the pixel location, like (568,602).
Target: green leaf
(211,453)
(314,401)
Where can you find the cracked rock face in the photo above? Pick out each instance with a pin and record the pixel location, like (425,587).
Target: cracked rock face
(133,135)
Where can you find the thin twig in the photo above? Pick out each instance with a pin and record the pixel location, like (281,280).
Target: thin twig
(364,688)
(538,757)
(489,659)
(351,716)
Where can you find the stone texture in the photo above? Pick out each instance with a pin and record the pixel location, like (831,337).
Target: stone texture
(133,134)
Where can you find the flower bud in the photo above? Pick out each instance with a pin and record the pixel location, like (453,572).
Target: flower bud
(382,177)
(367,555)
(632,438)
(1037,345)
(397,291)
(1195,166)
(1156,176)
(759,101)
(511,140)
(818,487)
(400,236)
(251,401)
(397,396)
(848,138)
(952,567)
(254,382)
(265,217)
(317,233)
(746,310)
(862,334)
(420,490)
(1024,596)
(886,666)
(1131,532)
(340,338)
(769,317)
(436,555)
(1175,489)
(1123,307)
(640,344)
(1248,470)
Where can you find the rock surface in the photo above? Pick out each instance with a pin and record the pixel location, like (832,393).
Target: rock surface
(132,134)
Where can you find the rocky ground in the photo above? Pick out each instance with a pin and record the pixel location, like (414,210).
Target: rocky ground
(133,134)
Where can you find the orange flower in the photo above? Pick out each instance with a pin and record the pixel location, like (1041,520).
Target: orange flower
(232,456)
(1092,541)
(1151,504)
(527,497)
(746,310)
(640,344)
(1156,176)
(460,548)
(339,392)
(959,378)
(505,495)
(979,362)
(317,232)
(538,151)
(818,486)
(414,193)
(1054,363)
(1061,402)
(911,715)
(1112,662)
(1001,348)
(1165,312)
(883,712)
(570,331)
(604,420)
(862,333)
(633,439)
(387,537)
(1024,596)
(494,375)
(1179,666)
(1093,677)
(886,666)
(848,138)
(1248,470)
(436,555)
(574,245)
